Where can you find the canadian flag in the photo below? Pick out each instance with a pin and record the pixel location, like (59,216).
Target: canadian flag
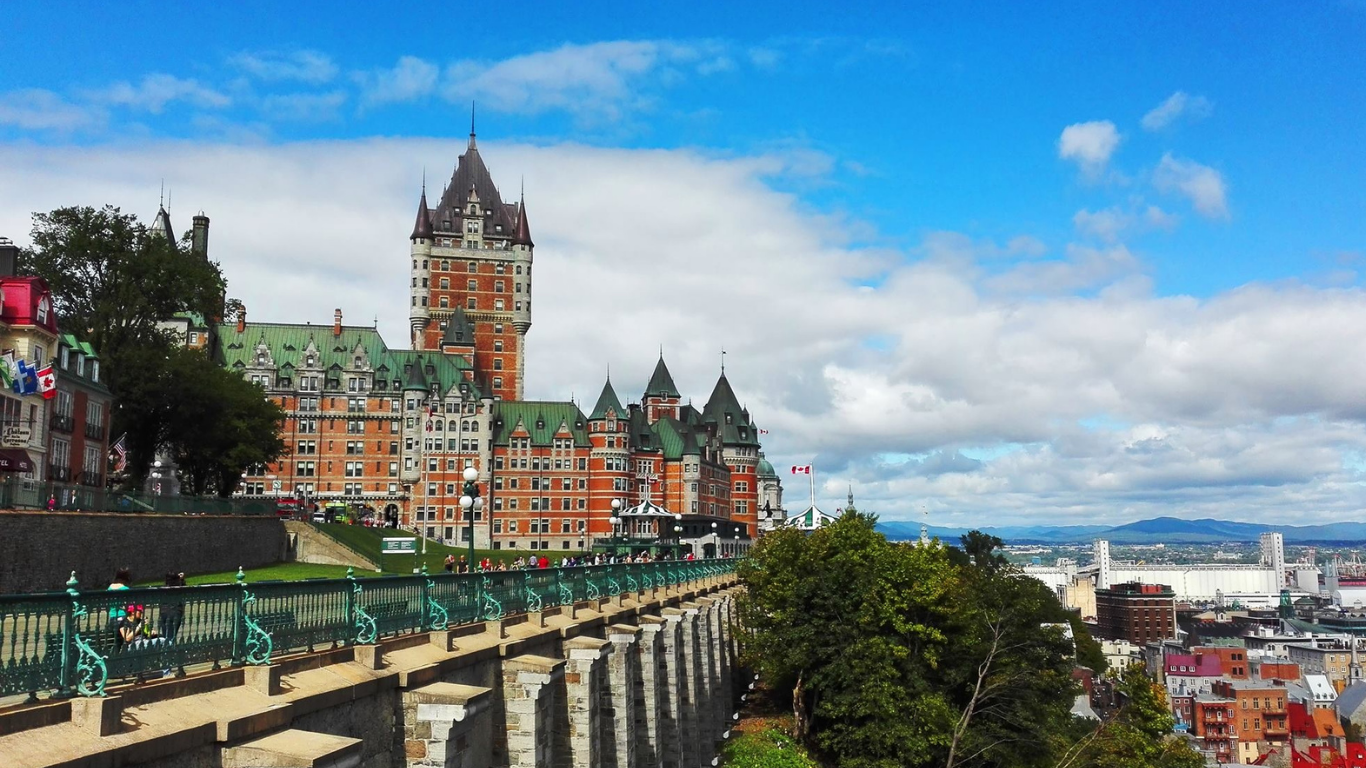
(805,470)
(763,431)
(47,383)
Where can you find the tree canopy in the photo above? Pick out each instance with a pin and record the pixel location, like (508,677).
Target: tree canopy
(906,655)
(114,282)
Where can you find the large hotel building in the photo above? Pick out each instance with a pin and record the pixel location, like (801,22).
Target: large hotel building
(394,429)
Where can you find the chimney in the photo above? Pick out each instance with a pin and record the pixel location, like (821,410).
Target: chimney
(336,323)
(9,257)
(199,238)
(242,319)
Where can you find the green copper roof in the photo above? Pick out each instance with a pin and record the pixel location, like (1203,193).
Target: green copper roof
(413,379)
(765,469)
(608,401)
(732,421)
(543,419)
(288,346)
(661,383)
(677,439)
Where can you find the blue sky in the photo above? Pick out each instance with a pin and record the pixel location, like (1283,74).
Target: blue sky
(1203,165)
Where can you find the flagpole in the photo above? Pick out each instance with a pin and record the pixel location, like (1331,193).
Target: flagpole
(812,476)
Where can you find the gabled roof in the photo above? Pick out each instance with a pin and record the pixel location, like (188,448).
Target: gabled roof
(661,383)
(543,420)
(1350,701)
(732,421)
(607,401)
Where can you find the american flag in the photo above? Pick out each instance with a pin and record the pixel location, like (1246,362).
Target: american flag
(120,452)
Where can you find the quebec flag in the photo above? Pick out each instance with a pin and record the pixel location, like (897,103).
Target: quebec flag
(27,381)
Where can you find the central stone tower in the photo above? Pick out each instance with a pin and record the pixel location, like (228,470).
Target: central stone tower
(473,253)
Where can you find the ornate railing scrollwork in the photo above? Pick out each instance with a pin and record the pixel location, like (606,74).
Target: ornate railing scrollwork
(91,671)
(258,644)
(437,618)
(366,629)
(493,609)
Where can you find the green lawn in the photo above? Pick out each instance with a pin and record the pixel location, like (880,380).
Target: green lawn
(366,541)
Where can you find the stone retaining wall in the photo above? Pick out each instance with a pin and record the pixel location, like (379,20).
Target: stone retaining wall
(39,550)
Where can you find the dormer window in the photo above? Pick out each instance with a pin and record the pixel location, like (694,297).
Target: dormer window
(260,358)
(308,361)
(80,365)
(65,357)
(95,370)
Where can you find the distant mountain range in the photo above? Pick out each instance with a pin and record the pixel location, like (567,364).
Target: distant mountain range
(1159,530)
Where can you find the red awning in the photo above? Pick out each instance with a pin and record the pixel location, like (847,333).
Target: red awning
(15,460)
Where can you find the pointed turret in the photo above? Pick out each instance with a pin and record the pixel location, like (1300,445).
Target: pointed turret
(724,408)
(459,330)
(608,401)
(161,225)
(415,381)
(661,383)
(422,228)
(523,234)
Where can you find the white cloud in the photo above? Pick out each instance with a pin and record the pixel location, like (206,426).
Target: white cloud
(1089,144)
(1200,184)
(304,66)
(1243,405)
(1176,106)
(408,80)
(303,107)
(1108,224)
(39,110)
(597,81)
(155,91)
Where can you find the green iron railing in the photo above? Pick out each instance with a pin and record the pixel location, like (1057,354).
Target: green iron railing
(69,643)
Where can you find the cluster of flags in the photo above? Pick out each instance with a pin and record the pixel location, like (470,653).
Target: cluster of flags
(24,379)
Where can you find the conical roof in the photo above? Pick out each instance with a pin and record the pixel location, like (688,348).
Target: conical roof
(608,401)
(523,235)
(459,330)
(661,383)
(731,419)
(423,226)
(471,176)
(415,380)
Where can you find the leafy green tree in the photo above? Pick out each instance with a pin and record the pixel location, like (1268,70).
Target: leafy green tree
(113,282)
(1140,736)
(113,279)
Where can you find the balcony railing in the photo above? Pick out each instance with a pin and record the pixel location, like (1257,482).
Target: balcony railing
(94,431)
(92,479)
(63,422)
(60,641)
(60,474)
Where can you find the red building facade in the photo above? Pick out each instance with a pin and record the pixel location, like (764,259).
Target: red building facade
(394,429)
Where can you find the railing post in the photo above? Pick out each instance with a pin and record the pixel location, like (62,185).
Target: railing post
(238,621)
(67,686)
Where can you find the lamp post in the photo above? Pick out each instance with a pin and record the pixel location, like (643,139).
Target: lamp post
(471,503)
(678,532)
(716,541)
(616,520)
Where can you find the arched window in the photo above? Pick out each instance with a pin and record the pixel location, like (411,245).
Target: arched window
(474,426)
(452,425)
(474,266)
(445,266)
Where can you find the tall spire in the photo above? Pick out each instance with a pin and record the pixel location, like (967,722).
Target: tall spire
(472,125)
(523,234)
(422,228)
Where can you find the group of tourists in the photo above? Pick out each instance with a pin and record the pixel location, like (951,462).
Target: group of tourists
(531,562)
(128,624)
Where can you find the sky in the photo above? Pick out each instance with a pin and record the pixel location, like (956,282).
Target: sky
(990,263)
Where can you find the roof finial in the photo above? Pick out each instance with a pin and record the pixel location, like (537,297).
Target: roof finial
(161,201)
(723,361)
(424,179)
(471,125)
(661,351)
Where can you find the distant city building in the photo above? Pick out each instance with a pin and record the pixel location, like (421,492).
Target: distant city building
(1139,613)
